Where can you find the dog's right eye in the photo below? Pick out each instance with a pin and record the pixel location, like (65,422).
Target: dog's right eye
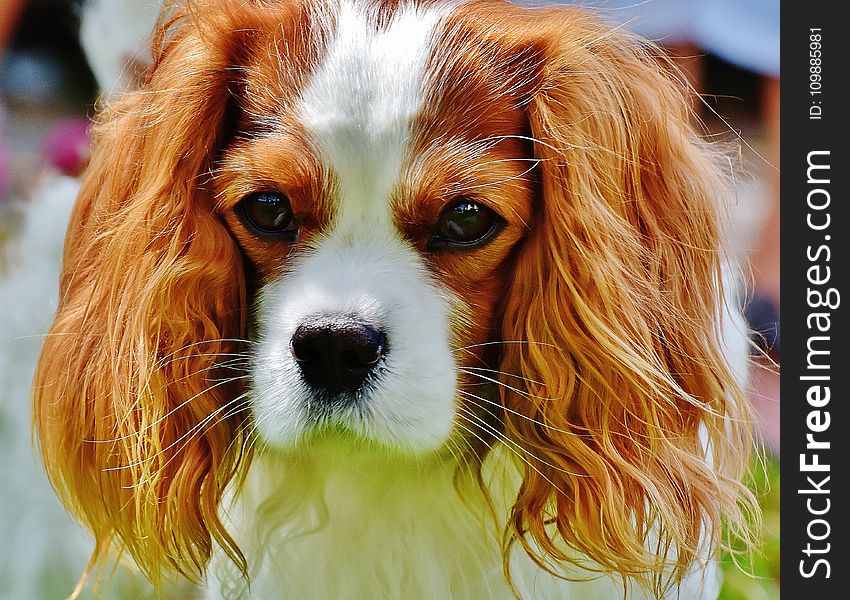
(268,213)
(465,224)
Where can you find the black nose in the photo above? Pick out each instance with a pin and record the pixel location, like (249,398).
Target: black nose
(337,353)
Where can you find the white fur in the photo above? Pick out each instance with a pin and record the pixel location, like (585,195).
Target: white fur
(332,521)
(410,403)
(358,108)
(360,102)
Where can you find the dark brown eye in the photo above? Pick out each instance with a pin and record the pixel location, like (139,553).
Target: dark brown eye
(268,213)
(465,223)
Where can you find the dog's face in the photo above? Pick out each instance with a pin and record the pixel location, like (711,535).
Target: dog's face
(379,207)
(414,224)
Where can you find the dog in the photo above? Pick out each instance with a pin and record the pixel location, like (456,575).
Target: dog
(386,298)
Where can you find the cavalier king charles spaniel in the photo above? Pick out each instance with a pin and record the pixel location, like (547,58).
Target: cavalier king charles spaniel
(399,299)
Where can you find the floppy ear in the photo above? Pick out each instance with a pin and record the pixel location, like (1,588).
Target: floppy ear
(131,404)
(617,293)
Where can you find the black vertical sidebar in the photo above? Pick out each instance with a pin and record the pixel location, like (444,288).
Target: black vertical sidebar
(815,430)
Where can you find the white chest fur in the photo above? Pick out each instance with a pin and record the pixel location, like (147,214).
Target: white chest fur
(332,526)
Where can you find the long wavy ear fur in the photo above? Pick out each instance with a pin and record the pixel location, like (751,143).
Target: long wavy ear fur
(129,405)
(618,295)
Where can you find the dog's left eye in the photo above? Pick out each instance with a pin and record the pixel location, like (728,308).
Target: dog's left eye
(268,213)
(465,223)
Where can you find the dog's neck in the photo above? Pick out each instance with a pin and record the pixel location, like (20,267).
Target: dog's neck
(343,523)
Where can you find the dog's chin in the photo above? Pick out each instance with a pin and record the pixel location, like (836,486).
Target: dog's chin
(348,423)
(352,447)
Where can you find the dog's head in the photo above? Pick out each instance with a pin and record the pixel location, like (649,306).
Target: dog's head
(416,225)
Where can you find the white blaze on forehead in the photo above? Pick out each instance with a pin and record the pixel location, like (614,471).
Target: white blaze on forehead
(358,109)
(362,98)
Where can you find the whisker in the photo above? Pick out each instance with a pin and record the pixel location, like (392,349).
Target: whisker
(255,438)
(232,364)
(509,387)
(501,181)
(499,138)
(505,439)
(211,341)
(518,455)
(194,430)
(529,342)
(169,413)
(519,414)
(203,354)
(497,372)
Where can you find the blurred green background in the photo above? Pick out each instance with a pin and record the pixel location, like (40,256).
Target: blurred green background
(758,579)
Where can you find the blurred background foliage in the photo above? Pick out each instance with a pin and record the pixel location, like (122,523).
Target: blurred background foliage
(757,577)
